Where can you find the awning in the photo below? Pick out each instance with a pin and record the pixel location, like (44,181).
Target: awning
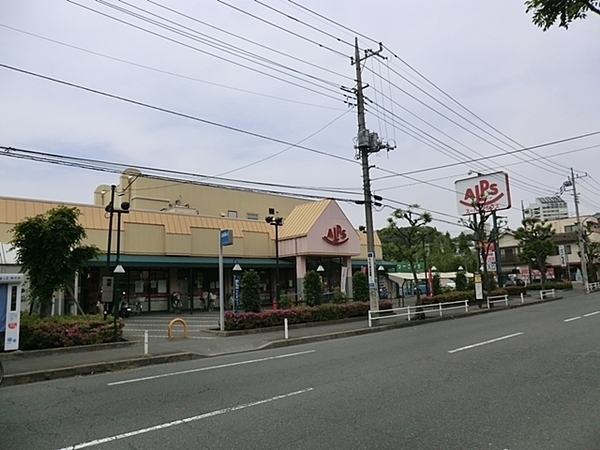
(190,261)
(400,277)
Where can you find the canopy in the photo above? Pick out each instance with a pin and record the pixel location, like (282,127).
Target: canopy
(400,277)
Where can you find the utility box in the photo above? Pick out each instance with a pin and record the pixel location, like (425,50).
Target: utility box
(107,289)
(10,309)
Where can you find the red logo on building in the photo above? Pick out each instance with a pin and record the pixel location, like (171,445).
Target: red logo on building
(483,193)
(336,235)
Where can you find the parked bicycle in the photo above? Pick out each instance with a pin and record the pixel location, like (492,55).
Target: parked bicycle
(176,304)
(136,309)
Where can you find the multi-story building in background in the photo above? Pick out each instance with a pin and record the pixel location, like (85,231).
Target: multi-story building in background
(548,208)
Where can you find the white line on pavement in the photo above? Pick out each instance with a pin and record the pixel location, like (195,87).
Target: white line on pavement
(202,369)
(591,314)
(572,319)
(485,342)
(182,421)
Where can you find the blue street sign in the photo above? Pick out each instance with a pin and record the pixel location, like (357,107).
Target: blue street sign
(226,237)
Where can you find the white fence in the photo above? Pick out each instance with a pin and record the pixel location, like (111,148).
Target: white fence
(493,299)
(409,311)
(547,293)
(593,286)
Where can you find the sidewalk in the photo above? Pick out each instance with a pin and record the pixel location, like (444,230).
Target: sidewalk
(41,365)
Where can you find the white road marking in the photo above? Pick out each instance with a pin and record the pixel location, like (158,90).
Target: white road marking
(484,343)
(572,319)
(203,369)
(591,314)
(182,421)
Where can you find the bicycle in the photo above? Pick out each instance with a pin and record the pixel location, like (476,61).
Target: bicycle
(137,308)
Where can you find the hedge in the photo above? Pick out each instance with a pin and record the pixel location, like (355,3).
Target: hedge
(457,296)
(321,313)
(65,331)
(551,285)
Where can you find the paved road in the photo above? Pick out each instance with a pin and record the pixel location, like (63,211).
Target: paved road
(525,379)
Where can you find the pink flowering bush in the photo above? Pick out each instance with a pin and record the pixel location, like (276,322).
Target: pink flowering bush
(321,313)
(65,331)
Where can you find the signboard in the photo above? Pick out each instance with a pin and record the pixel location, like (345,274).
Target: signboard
(373,294)
(478,286)
(562,255)
(336,235)
(404,266)
(344,276)
(489,191)
(226,237)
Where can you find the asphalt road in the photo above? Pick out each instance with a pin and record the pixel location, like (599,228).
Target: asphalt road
(525,378)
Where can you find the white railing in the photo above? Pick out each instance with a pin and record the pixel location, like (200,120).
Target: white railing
(497,299)
(408,310)
(547,293)
(593,286)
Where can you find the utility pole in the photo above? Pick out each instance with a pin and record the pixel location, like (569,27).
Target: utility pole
(584,274)
(367,143)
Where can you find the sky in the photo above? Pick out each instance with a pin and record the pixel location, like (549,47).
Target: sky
(259,94)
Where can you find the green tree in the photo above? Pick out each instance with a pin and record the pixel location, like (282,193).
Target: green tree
(436,284)
(250,300)
(535,239)
(313,288)
(461,281)
(360,287)
(49,250)
(407,243)
(547,12)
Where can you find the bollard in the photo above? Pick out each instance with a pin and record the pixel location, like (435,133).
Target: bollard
(285,327)
(145,342)
(522,298)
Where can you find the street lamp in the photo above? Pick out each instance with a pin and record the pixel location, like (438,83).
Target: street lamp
(110,208)
(320,268)
(276,222)
(237,270)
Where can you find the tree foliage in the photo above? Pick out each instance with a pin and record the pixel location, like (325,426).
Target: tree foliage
(407,243)
(360,287)
(49,250)
(535,239)
(547,12)
(313,288)
(250,299)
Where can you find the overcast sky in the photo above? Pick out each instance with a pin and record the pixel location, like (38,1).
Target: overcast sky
(456,81)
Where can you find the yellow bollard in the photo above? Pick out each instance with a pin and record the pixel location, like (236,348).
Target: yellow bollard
(174,321)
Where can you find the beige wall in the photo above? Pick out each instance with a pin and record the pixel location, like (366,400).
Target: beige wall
(155,195)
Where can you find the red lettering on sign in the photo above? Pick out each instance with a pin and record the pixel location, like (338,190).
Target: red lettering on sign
(483,193)
(336,235)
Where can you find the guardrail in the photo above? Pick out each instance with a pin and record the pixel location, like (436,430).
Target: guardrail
(593,286)
(547,293)
(414,310)
(497,299)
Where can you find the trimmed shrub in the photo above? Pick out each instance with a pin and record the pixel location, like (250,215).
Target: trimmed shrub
(65,331)
(313,288)
(285,301)
(516,290)
(360,287)
(251,291)
(272,318)
(551,285)
(339,296)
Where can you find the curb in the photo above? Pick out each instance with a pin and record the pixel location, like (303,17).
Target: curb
(24,354)
(89,369)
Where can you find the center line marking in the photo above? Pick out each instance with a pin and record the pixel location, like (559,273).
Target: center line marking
(483,343)
(203,369)
(591,314)
(182,421)
(572,318)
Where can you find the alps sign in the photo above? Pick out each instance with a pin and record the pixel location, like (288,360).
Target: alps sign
(336,235)
(490,192)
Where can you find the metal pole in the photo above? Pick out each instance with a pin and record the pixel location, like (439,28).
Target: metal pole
(145,342)
(584,274)
(221,296)
(364,148)
(497,249)
(277,262)
(110,208)
(116,289)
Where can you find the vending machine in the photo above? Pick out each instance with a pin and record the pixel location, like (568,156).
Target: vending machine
(10,309)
